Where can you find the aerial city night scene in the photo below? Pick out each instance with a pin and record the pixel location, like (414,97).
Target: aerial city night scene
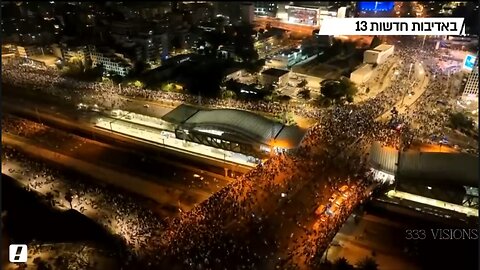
(240,135)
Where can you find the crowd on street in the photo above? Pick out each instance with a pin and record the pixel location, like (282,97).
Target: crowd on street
(120,213)
(204,238)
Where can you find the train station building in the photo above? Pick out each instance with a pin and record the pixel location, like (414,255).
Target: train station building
(447,182)
(233,130)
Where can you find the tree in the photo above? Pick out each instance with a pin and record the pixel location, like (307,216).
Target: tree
(88,63)
(304,94)
(138,84)
(303,83)
(368,263)
(204,79)
(69,198)
(349,47)
(332,90)
(243,42)
(228,94)
(41,264)
(232,85)
(460,121)
(349,99)
(342,264)
(50,198)
(256,66)
(213,40)
(323,101)
(376,41)
(140,67)
(348,87)
(337,48)
(268,97)
(284,98)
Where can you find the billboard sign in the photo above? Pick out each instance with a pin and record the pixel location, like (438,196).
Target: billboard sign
(469,62)
(376,6)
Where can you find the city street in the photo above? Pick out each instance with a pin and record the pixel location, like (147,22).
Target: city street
(356,240)
(280,214)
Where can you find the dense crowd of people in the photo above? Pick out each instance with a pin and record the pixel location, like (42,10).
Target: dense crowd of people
(218,232)
(120,213)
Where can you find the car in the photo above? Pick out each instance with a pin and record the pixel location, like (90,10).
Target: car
(333,198)
(332,210)
(95,108)
(146,106)
(317,225)
(346,194)
(343,188)
(320,210)
(339,201)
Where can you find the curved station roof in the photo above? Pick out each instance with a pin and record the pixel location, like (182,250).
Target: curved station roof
(243,125)
(426,167)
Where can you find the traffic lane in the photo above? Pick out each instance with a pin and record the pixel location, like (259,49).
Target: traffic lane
(303,227)
(72,99)
(130,162)
(86,117)
(163,195)
(279,221)
(153,109)
(299,227)
(372,233)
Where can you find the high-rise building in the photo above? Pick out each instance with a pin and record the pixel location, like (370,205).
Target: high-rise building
(228,9)
(470,91)
(266,8)
(316,4)
(246,13)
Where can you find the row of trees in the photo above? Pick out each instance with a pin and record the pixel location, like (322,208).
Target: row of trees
(367,263)
(461,122)
(337,91)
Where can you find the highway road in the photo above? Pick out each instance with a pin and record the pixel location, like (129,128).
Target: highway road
(154,168)
(261,206)
(162,194)
(268,203)
(77,122)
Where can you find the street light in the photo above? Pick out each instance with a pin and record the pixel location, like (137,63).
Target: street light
(408,79)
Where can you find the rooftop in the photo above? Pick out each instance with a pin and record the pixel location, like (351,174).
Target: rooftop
(275,72)
(451,168)
(382,47)
(244,125)
(364,69)
(426,167)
